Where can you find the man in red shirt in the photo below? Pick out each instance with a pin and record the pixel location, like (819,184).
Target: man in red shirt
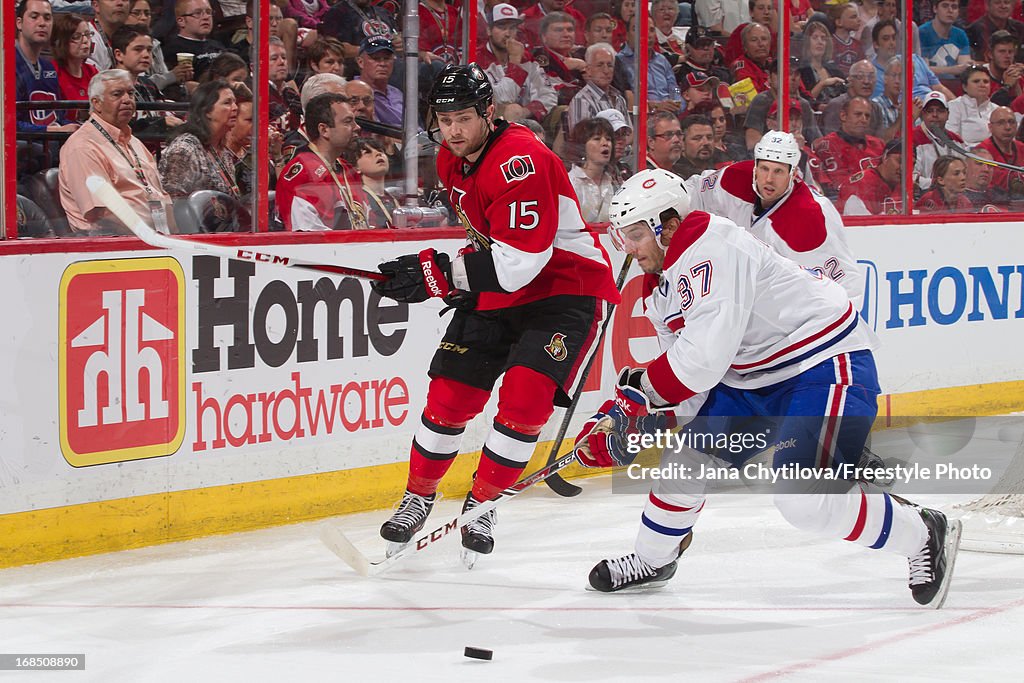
(848,151)
(317,190)
(875,191)
(1004,147)
(533,15)
(756,52)
(529,290)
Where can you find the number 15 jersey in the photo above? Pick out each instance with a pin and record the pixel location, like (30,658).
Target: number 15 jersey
(517,203)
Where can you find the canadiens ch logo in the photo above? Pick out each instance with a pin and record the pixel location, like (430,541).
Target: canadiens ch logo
(517,168)
(556,347)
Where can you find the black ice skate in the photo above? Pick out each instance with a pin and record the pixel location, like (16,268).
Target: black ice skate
(408,519)
(869,460)
(932,567)
(478,535)
(629,571)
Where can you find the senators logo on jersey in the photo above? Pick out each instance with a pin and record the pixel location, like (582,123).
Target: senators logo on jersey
(517,168)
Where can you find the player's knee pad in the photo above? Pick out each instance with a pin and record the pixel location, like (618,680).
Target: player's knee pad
(453,404)
(813,512)
(526,400)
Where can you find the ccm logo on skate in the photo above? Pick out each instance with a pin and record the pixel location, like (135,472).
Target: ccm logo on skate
(121,366)
(517,168)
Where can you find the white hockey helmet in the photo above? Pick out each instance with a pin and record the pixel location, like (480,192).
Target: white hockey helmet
(781,148)
(778,146)
(643,199)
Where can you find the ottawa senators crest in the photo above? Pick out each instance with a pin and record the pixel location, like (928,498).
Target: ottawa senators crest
(556,347)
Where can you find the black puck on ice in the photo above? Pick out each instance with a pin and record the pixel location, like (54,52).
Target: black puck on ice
(478,653)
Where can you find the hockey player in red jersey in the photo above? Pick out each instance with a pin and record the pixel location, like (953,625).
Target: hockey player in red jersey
(529,291)
(780,351)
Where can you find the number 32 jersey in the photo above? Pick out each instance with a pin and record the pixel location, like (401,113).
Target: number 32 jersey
(729,309)
(517,203)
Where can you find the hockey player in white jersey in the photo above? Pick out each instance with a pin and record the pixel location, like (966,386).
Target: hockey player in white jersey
(763,337)
(767,197)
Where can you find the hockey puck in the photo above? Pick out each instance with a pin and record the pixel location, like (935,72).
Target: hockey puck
(478,653)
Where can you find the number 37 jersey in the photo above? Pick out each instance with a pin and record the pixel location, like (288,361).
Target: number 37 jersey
(729,309)
(517,203)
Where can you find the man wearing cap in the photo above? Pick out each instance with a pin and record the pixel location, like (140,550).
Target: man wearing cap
(701,55)
(513,74)
(698,87)
(849,150)
(1005,148)
(698,147)
(376,62)
(934,115)
(876,190)
(598,92)
(757,122)
(353,21)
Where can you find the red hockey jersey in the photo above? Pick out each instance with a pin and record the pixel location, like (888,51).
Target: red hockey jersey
(309,197)
(516,202)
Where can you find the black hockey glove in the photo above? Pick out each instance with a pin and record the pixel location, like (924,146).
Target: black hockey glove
(416,277)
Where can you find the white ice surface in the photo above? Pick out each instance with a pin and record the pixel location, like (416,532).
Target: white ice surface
(753,600)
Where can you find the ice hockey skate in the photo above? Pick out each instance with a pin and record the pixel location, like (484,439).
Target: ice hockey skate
(478,535)
(408,519)
(631,572)
(932,568)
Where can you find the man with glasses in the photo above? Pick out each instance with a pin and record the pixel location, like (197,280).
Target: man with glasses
(860,83)
(195,23)
(598,93)
(105,146)
(1004,147)
(110,15)
(701,55)
(664,140)
(376,64)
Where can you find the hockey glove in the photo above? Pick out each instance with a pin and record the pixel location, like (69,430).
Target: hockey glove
(609,438)
(635,395)
(416,277)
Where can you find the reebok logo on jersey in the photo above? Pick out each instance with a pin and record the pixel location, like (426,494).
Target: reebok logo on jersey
(517,168)
(556,347)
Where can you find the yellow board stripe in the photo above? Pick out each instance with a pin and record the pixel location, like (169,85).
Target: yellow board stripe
(90,528)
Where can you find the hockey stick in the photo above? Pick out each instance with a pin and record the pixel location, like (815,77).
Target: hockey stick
(341,546)
(941,138)
(555,482)
(107,196)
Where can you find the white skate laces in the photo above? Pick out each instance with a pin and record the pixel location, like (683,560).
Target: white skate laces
(628,569)
(921,569)
(412,509)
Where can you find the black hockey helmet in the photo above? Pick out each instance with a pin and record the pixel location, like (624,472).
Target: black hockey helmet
(461,86)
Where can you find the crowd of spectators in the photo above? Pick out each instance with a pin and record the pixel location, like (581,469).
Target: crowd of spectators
(167,109)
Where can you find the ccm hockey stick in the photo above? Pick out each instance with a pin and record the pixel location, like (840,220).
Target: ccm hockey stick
(555,482)
(341,546)
(941,138)
(108,197)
